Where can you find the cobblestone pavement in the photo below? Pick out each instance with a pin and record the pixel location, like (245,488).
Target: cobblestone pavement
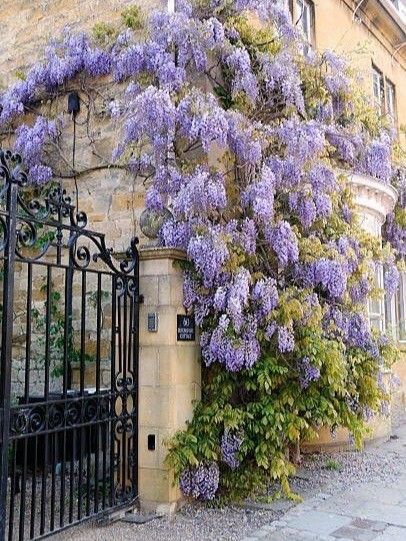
(368,511)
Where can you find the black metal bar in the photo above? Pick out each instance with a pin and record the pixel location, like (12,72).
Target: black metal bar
(72,476)
(53,480)
(6,349)
(46,396)
(113,371)
(12,492)
(67,329)
(23,492)
(67,376)
(124,435)
(98,361)
(83,334)
(88,467)
(104,466)
(135,367)
(34,490)
(28,334)
(82,390)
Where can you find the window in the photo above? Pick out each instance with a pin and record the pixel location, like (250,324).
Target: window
(378,89)
(376,308)
(400,305)
(390,98)
(384,92)
(305,19)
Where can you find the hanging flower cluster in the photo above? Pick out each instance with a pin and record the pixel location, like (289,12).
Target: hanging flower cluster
(248,153)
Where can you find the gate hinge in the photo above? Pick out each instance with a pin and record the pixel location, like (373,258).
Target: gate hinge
(141,299)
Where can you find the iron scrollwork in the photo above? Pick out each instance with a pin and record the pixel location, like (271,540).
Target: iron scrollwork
(62,428)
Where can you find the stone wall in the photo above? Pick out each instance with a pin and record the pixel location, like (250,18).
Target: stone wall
(26,26)
(112,198)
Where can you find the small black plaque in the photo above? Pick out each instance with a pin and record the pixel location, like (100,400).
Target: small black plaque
(186,329)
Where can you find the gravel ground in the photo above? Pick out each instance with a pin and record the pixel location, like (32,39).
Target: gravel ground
(330,474)
(191,523)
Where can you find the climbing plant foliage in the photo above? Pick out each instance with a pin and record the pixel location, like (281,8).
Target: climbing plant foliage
(247,136)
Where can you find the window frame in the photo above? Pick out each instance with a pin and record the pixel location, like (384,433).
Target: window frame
(400,308)
(297,16)
(393,112)
(379,101)
(378,316)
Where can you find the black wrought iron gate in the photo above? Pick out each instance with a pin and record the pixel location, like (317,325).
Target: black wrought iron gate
(69,364)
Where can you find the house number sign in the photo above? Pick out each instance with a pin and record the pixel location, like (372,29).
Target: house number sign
(186,329)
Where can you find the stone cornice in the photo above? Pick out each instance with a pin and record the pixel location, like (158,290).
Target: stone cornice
(372,196)
(159,252)
(147,253)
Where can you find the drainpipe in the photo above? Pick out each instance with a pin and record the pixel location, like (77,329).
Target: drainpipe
(357,8)
(397,49)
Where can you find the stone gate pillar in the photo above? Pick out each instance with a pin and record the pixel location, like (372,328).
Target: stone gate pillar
(170,374)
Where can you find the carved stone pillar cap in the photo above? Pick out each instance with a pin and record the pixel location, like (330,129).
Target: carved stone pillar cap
(372,196)
(161,252)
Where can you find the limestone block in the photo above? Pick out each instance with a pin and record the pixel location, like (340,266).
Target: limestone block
(146,457)
(122,201)
(156,406)
(166,334)
(179,364)
(158,487)
(148,365)
(150,290)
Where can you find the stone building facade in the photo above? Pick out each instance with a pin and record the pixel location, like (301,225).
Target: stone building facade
(371,33)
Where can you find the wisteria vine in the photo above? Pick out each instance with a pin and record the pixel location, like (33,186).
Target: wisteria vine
(246,139)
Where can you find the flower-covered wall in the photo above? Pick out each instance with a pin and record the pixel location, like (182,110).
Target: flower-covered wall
(272,172)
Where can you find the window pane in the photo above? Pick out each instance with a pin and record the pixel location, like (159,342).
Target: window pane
(390,98)
(377,80)
(304,11)
(376,323)
(376,307)
(401,307)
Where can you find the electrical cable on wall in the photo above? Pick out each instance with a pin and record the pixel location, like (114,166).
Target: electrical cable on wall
(73,110)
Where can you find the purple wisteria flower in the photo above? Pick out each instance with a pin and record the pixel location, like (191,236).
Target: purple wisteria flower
(230,446)
(208,253)
(360,290)
(391,279)
(200,482)
(396,235)
(284,243)
(336,79)
(239,62)
(200,117)
(307,372)
(265,295)
(31,142)
(377,159)
(199,194)
(260,196)
(327,273)
(237,298)
(286,339)
(281,77)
